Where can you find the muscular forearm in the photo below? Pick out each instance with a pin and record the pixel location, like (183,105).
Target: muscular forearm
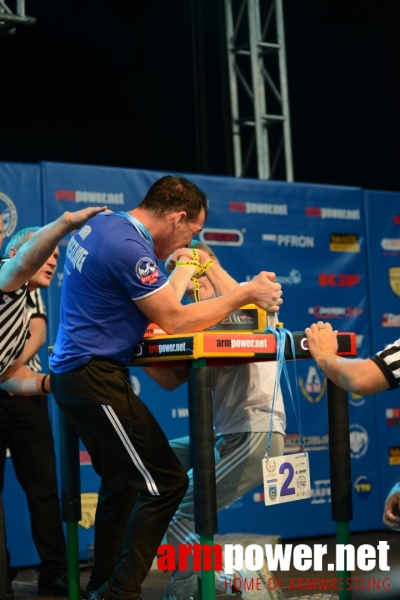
(31,256)
(221,281)
(180,278)
(358,376)
(200,315)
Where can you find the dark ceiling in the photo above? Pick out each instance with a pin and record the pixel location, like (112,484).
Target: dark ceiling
(143,84)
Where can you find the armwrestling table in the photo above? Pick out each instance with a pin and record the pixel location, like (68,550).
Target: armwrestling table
(215,348)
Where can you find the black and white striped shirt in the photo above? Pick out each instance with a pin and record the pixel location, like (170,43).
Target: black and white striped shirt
(388,360)
(39,311)
(15,312)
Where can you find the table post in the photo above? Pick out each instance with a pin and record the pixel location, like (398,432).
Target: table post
(203,462)
(340,470)
(70,500)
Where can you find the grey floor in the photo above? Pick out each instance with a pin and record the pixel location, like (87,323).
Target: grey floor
(25,583)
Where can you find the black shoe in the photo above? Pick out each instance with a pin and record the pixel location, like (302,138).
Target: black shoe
(104,593)
(9,590)
(92,586)
(53,587)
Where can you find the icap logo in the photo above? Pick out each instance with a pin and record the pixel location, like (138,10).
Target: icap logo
(10,215)
(359,441)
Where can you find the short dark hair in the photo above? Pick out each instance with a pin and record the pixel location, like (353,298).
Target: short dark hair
(175,193)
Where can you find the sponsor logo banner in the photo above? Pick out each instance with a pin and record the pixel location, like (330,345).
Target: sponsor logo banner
(394,280)
(344,242)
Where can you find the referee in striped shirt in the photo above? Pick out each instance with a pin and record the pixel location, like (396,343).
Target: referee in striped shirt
(363,377)
(31,263)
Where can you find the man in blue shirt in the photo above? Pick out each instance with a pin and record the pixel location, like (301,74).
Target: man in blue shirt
(112,289)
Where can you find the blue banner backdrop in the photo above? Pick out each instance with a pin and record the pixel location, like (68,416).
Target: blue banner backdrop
(314,238)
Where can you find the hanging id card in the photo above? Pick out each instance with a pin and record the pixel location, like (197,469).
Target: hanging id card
(286,478)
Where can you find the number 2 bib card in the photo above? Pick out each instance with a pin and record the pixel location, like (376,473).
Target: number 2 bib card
(286,478)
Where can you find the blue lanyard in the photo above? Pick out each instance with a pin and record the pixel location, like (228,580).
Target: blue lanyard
(143,230)
(280,334)
(139,226)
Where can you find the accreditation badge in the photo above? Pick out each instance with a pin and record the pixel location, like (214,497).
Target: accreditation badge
(286,478)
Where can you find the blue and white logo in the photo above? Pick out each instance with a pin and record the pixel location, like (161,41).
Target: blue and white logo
(359,440)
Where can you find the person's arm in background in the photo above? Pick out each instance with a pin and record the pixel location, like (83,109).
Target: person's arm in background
(391,513)
(19,269)
(359,376)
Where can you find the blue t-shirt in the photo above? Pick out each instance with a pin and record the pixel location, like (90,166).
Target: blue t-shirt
(108,265)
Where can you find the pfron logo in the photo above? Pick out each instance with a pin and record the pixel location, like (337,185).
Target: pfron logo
(286,240)
(359,440)
(338,280)
(9,214)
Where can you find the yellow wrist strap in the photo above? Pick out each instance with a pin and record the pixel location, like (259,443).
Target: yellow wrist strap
(200,270)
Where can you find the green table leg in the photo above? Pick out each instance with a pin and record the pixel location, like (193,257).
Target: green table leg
(73,561)
(343,537)
(207,581)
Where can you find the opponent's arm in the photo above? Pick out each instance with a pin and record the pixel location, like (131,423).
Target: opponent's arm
(359,376)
